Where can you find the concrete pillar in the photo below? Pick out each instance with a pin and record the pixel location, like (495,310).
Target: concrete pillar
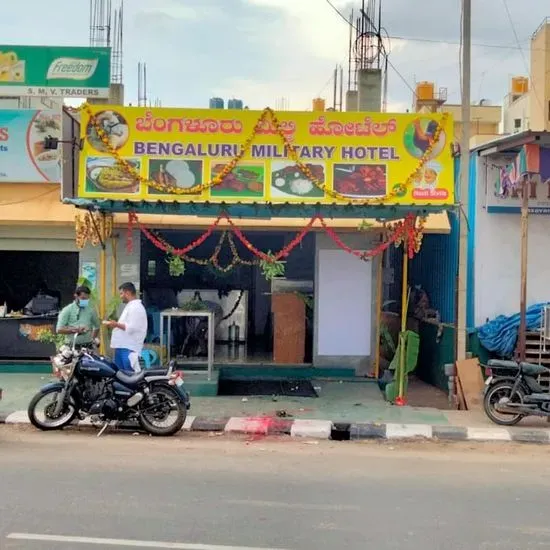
(116,96)
(370,90)
(351,100)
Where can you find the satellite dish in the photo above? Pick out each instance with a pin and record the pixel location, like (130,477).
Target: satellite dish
(368,44)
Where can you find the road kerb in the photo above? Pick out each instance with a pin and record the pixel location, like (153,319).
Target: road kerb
(323,429)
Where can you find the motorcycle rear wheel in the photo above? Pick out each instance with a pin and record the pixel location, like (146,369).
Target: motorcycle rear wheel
(162,403)
(493,396)
(49,423)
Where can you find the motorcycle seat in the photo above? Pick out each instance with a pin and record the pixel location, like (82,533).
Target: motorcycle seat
(502,363)
(531,369)
(130,379)
(155,372)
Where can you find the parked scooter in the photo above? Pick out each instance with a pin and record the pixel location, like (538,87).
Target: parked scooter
(512,391)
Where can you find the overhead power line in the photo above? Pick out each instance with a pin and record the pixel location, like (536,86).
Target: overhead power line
(401,77)
(526,64)
(517,46)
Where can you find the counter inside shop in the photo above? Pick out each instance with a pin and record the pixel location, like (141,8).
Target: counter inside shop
(20,331)
(20,336)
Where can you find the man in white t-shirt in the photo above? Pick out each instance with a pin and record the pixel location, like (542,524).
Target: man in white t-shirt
(129,331)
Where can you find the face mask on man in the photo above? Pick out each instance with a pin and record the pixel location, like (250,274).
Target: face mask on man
(83,302)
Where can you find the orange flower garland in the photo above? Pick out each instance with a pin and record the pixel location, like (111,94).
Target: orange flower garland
(397,233)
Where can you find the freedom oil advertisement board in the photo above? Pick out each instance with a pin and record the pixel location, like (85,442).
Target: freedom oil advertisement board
(54,71)
(137,153)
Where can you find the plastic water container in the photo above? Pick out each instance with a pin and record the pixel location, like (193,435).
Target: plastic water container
(216,103)
(235,104)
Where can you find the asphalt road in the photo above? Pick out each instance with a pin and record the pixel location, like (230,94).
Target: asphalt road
(72,491)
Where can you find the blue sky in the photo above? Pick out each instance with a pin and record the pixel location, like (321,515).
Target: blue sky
(264,50)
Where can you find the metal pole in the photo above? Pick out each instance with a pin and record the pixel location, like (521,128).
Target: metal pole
(522,335)
(341,88)
(379,289)
(211,343)
(335,91)
(114,285)
(163,353)
(103,286)
(404,314)
(464,180)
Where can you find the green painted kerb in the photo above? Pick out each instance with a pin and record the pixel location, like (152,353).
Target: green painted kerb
(37,367)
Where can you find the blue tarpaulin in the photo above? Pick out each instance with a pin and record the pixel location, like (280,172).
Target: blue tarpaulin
(500,335)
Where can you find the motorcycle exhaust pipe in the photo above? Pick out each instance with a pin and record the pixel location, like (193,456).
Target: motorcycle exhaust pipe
(135,399)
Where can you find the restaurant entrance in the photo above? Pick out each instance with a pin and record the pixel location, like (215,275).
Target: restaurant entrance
(224,277)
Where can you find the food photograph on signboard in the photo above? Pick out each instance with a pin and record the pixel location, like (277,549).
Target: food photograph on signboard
(107,175)
(48,162)
(174,173)
(246,181)
(288,181)
(115,127)
(360,180)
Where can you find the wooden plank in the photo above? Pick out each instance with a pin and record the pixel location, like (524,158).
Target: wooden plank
(471,381)
(460,396)
(289,319)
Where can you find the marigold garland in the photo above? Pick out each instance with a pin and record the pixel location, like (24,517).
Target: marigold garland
(214,259)
(93,227)
(267,114)
(402,232)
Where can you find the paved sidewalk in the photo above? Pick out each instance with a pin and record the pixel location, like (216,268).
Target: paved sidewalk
(347,411)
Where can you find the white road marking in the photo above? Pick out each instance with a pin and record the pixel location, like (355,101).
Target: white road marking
(296,505)
(126,542)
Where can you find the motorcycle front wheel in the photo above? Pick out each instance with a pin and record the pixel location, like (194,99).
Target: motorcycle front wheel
(163,414)
(501,393)
(41,409)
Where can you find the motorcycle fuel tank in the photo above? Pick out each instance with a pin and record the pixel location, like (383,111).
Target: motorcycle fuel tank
(97,367)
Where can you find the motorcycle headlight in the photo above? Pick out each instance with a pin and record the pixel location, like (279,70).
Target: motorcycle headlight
(59,361)
(66,352)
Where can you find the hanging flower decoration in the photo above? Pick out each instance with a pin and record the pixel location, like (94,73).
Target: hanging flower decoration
(411,234)
(406,231)
(92,228)
(272,268)
(163,246)
(129,234)
(267,116)
(176,265)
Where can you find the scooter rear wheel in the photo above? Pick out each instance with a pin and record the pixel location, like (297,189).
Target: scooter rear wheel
(495,395)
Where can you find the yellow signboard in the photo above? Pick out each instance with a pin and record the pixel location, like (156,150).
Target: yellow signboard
(251,156)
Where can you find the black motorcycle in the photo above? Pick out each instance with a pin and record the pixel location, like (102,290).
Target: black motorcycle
(512,391)
(92,386)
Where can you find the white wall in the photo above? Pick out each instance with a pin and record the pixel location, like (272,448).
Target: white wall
(497,258)
(518,109)
(344,305)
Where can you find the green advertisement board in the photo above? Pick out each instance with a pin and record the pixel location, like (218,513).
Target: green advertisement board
(54,71)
